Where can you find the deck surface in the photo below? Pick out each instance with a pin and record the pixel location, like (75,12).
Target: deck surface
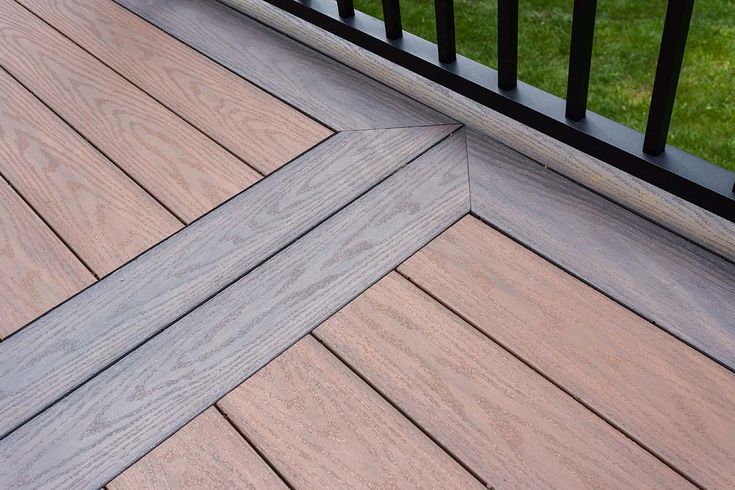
(231,262)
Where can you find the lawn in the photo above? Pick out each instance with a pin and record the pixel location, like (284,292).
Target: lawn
(624,57)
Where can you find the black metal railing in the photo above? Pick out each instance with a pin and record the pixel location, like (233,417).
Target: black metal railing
(646,156)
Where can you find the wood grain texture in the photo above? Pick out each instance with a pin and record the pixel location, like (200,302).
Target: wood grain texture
(96,431)
(323,427)
(102,214)
(321,87)
(710,230)
(669,397)
(510,425)
(37,271)
(206,453)
(64,348)
(184,169)
(681,287)
(259,128)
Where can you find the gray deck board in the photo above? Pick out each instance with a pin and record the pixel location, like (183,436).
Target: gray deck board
(681,287)
(98,430)
(62,349)
(323,88)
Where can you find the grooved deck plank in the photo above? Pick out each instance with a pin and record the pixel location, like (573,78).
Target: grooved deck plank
(96,431)
(323,88)
(103,215)
(183,168)
(666,395)
(37,271)
(206,453)
(323,427)
(259,128)
(54,354)
(507,423)
(681,287)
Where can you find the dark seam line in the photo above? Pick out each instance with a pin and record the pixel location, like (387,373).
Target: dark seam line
(257,450)
(155,99)
(94,146)
(210,297)
(551,380)
(335,309)
(469,174)
(313,48)
(210,58)
(403,413)
(169,237)
(616,203)
(53,230)
(631,308)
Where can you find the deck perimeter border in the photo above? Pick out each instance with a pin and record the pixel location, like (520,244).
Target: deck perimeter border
(707,229)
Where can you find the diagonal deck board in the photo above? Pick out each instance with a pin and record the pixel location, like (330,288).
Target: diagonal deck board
(103,215)
(112,420)
(206,453)
(675,401)
(305,393)
(73,342)
(490,410)
(681,287)
(37,271)
(323,88)
(180,166)
(221,104)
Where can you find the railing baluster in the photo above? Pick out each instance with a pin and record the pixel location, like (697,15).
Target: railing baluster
(392,19)
(580,58)
(444,11)
(507,44)
(670,56)
(345,8)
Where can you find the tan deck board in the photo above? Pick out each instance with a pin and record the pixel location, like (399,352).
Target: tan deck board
(183,168)
(323,427)
(259,128)
(206,453)
(103,215)
(674,400)
(510,425)
(37,271)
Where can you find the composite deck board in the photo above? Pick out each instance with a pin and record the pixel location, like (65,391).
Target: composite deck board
(323,427)
(37,271)
(257,127)
(112,420)
(182,167)
(323,88)
(206,453)
(683,288)
(105,217)
(62,349)
(494,413)
(664,394)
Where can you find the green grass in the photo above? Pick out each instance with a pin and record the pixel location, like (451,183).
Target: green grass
(627,37)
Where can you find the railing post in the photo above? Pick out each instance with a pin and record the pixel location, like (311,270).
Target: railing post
(580,58)
(507,44)
(444,11)
(345,8)
(392,19)
(670,57)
